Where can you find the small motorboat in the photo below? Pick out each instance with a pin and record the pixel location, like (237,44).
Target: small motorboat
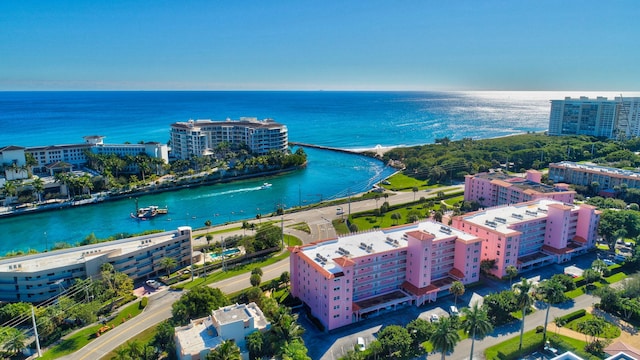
(265,186)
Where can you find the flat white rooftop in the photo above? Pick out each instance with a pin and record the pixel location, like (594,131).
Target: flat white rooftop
(65,257)
(596,168)
(367,243)
(197,336)
(500,218)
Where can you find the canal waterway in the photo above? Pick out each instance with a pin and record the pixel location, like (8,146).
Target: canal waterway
(329,175)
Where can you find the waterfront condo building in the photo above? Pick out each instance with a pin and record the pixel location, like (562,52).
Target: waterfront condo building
(38,277)
(203,137)
(234,322)
(532,234)
(498,188)
(52,158)
(617,118)
(588,174)
(346,279)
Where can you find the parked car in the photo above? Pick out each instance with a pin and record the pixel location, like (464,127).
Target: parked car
(434,318)
(153,283)
(453,311)
(608,262)
(619,258)
(339,211)
(360,344)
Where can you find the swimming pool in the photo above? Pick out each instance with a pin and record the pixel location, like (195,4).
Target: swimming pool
(227,253)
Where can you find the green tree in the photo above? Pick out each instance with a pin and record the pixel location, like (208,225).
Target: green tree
(255,280)
(268,236)
(294,350)
(285,277)
(591,276)
(15,341)
(476,323)
(396,217)
(38,187)
(195,304)
(420,330)
(445,337)
(168,263)
(257,271)
(227,350)
(551,292)
(524,301)
(395,341)
(415,191)
(457,289)
(255,343)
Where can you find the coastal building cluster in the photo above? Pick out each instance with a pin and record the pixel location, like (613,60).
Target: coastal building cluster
(587,174)
(39,277)
(602,117)
(347,279)
(192,138)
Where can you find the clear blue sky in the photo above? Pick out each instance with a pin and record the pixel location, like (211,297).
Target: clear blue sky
(312,45)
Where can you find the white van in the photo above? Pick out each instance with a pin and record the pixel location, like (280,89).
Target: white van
(453,311)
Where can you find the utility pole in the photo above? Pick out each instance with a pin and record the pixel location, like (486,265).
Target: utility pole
(282,223)
(349,213)
(35,331)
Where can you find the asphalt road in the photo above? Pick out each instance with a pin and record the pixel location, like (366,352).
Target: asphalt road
(159,307)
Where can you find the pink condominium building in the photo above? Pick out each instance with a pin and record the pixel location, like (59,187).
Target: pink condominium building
(532,234)
(498,188)
(346,279)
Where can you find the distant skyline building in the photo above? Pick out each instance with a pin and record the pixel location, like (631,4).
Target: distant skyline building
(202,137)
(601,117)
(498,188)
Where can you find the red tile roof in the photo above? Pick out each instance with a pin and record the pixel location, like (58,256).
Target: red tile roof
(344,261)
(579,239)
(556,251)
(456,273)
(421,235)
(418,291)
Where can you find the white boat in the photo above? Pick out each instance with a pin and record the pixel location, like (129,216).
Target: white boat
(265,186)
(149,212)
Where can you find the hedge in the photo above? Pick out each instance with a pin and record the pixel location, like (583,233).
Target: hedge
(531,342)
(574,315)
(144,302)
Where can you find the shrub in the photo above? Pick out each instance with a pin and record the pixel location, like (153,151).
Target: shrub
(144,302)
(574,315)
(539,329)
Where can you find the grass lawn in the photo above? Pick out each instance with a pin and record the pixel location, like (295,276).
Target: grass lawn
(84,336)
(532,342)
(399,182)
(144,337)
(454,200)
(222,275)
(615,277)
(575,293)
(610,332)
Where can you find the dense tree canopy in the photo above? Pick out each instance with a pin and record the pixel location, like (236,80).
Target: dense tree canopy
(195,304)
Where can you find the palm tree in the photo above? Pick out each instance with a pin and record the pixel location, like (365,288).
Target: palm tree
(135,349)
(122,353)
(287,328)
(457,289)
(255,342)
(415,191)
(38,187)
(524,300)
(168,263)
(227,350)
(476,323)
(552,292)
(15,341)
(445,337)
(511,271)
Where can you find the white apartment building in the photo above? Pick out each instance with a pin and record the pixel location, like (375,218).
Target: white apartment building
(586,174)
(38,277)
(233,322)
(615,118)
(201,137)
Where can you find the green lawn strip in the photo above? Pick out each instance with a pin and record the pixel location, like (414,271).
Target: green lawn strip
(144,338)
(602,247)
(291,240)
(575,293)
(518,314)
(86,335)
(222,275)
(454,200)
(302,226)
(341,226)
(385,221)
(610,332)
(615,277)
(531,342)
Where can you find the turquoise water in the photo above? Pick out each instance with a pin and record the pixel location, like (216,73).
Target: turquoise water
(351,120)
(329,175)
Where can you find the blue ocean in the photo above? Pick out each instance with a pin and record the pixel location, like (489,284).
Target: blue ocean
(349,120)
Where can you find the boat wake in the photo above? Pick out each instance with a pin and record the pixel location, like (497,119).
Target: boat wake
(235,191)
